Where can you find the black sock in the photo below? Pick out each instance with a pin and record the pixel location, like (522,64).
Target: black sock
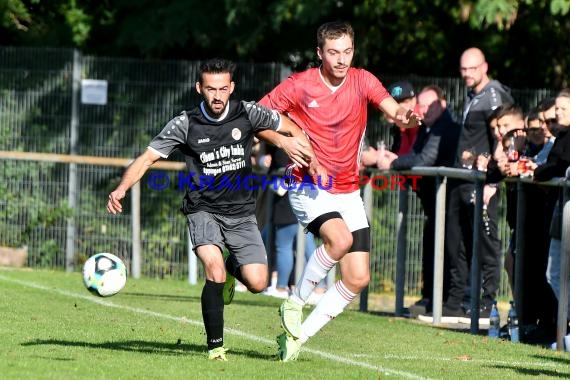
(213,313)
(232,267)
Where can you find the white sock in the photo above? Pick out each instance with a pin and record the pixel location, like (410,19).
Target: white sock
(332,304)
(319,264)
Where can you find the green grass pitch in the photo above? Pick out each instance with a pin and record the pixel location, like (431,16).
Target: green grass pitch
(51,327)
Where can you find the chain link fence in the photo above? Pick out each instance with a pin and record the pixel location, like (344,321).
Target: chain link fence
(40,112)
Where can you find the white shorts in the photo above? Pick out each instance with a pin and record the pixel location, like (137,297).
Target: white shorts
(310,202)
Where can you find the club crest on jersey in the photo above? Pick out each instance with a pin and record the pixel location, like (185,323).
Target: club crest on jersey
(236,134)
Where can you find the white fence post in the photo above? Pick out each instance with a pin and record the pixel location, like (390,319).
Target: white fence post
(136,229)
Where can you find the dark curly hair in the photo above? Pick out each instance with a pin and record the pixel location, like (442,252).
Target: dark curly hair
(216,66)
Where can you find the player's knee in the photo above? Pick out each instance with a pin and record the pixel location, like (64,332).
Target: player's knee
(256,281)
(362,282)
(357,282)
(257,286)
(215,273)
(341,241)
(334,232)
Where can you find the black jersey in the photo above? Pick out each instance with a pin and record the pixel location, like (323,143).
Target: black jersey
(476,133)
(218,156)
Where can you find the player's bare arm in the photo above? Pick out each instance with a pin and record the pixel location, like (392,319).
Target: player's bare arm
(296,145)
(315,168)
(403,117)
(291,139)
(132,175)
(293,147)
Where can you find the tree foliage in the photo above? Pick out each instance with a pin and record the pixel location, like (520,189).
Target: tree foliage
(521,38)
(14,15)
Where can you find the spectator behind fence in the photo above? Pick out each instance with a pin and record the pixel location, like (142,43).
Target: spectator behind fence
(538,305)
(535,135)
(510,144)
(547,115)
(556,165)
(475,139)
(402,138)
(330,103)
(222,218)
(436,145)
(549,125)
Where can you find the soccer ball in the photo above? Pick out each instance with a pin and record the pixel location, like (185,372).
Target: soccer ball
(104,274)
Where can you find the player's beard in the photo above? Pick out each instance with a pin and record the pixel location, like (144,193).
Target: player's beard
(216,107)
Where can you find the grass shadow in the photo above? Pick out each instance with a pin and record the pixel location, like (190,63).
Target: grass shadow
(259,299)
(532,372)
(146,347)
(562,358)
(167,297)
(384,314)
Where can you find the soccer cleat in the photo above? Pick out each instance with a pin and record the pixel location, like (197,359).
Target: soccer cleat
(291,316)
(230,284)
(289,348)
(218,353)
(229,289)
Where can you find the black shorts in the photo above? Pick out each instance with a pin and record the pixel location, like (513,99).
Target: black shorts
(240,235)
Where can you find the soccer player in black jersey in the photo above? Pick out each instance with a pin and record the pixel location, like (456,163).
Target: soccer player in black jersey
(216,137)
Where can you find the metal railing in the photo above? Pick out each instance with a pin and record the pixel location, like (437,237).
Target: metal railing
(477,177)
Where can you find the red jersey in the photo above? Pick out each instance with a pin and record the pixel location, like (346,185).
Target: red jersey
(408,136)
(334,119)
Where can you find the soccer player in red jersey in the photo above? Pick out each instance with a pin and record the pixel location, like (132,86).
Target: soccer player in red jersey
(330,104)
